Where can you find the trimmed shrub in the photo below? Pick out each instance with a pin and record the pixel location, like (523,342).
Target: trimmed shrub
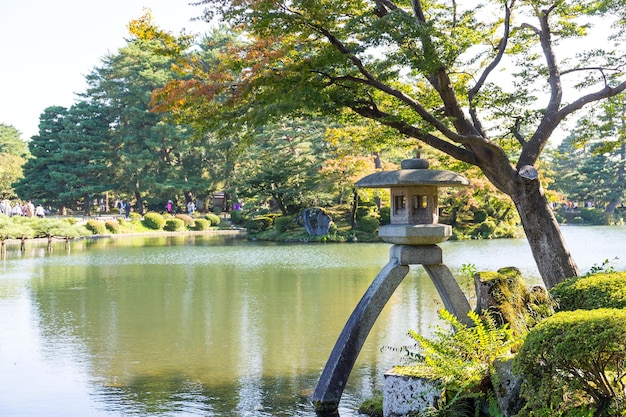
(96,227)
(134,216)
(479,216)
(237,216)
(213,218)
(154,221)
(606,290)
(385,215)
(573,356)
(174,225)
(258,224)
(187,219)
(283,223)
(368,224)
(202,224)
(594,216)
(112,226)
(485,230)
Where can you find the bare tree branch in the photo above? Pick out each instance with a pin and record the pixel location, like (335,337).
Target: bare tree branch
(501,48)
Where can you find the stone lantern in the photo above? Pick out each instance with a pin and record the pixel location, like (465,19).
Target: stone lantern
(414,233)
(414,205)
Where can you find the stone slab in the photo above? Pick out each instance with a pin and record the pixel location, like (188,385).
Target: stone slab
(416,255)
(415,234)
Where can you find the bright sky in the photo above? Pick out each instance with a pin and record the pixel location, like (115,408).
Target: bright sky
(48,46)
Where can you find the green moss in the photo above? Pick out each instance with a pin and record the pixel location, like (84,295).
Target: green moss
(513,302)
(372,406)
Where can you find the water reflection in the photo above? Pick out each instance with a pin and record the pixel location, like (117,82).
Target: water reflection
(205,327)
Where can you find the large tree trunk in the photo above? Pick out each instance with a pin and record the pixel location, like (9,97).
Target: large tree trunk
(139,204)
(554,260)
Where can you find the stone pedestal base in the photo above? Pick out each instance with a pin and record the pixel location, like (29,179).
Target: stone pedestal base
(405,395)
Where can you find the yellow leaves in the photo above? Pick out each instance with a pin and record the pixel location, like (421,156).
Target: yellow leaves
(144,30)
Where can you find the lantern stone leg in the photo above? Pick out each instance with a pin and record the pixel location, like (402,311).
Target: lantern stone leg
(343,356)
(348,346)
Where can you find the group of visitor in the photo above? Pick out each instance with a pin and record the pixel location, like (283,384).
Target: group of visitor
(570,205)
(27,209)
(170,207)
(124,207)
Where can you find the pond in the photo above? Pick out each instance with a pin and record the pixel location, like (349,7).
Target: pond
(210,326)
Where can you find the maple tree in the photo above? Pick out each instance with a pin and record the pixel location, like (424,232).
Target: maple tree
(487,82)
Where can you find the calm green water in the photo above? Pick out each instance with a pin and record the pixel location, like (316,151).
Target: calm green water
(203,326)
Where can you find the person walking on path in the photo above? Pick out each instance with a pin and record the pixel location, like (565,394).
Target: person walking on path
(30,209)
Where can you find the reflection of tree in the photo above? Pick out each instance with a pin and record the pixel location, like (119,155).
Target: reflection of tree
(211,327)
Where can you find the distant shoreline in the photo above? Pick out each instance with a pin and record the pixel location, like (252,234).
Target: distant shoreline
(225,232)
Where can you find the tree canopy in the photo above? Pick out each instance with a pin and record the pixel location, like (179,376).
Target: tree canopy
(485,82)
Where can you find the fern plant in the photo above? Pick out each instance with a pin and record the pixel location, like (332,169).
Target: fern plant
(460,359)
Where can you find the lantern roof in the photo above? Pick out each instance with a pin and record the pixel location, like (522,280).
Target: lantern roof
(416,174)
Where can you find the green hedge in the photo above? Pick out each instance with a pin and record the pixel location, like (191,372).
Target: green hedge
(213,218)
(174,225)
(238,216)
(112,226)
(202,224)
(606,290)
(154,221)
(96,227)
(368,224)
(283,223)
(187,219)
(573,356)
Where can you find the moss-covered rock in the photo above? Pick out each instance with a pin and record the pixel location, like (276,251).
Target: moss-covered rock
(505,294)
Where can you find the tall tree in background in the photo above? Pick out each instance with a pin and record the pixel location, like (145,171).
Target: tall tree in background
(590,163)
(38,184)
(155,159)
(11,141)
(462,78)
(85,157)
(13,154)
(281,167)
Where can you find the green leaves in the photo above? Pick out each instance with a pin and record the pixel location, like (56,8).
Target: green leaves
(461,357)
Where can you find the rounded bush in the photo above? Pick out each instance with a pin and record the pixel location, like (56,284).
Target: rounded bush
(202,224)
(573,355)
(154,221)
(187,219)
(485,229)
(368,224)
(96,227)
(134,216)
(237,217)
(213,218)
(258,224)
(480,216)
(385,215)
(174,225)
(606,290)
(112,226)
(283,223)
